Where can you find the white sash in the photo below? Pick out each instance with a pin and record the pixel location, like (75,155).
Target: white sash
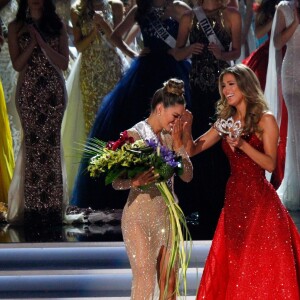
(161,31)
(206,27)
(145,131)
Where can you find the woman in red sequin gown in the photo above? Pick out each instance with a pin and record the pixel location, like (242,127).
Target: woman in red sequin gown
(255,253)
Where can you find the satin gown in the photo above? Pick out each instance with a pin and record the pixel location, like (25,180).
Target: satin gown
(127,104)
(145,221)
(6,153)
(255,253)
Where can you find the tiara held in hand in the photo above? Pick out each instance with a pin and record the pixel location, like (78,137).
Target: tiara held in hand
(229,127)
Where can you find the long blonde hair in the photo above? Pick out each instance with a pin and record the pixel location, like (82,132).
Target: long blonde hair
(83,7)
(252,92)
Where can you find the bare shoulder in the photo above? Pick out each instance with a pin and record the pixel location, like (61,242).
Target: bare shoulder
(116,4)
(181,5)
(14,26)
(268,119)
(188,14)
(132,132)
(232,13)
(232,17)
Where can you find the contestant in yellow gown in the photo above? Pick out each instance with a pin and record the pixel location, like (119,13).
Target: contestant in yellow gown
(6,152)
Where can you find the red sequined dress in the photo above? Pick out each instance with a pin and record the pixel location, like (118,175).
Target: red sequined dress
(255,253)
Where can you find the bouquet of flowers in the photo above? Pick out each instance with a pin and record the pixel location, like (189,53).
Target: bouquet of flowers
(125,158)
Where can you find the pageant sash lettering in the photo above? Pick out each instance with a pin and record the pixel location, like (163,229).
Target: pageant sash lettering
(161,31)
(206,27)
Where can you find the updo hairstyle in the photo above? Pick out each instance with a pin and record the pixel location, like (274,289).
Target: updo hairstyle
(170,94)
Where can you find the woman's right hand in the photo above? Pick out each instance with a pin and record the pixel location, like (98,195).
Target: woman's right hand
(144,51)
(196,48)
(32,32)
(144,178)
(187,118)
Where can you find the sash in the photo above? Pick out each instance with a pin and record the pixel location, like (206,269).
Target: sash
(161,31)
(146,132)
(206,27)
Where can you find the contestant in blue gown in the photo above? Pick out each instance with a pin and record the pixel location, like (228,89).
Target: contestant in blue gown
(129,101)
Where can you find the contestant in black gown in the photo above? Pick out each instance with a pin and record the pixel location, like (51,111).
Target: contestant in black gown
(211,169)
(129,101)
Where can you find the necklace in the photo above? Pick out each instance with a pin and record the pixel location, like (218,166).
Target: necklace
(157,136)
(158,11)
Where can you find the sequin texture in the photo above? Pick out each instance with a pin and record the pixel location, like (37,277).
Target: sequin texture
(205,67)
(102,66)
(41,103)
(146,226)
(256,247)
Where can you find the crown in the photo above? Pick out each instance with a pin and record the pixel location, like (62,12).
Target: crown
(229,127)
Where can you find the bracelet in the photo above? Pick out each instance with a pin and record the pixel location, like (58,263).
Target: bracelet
(182,152)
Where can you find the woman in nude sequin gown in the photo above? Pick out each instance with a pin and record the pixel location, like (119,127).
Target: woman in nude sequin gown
(255,252)
(145,225)
(38,47)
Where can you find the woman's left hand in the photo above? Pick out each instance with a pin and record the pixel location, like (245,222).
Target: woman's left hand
(234,142)
(41,42)
(216,51)
(177,132)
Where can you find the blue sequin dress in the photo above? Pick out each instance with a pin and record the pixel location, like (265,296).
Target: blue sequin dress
(127,104)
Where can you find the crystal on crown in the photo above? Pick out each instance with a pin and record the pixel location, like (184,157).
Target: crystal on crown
(229,127)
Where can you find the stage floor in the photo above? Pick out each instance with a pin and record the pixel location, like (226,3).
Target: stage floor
(98,232)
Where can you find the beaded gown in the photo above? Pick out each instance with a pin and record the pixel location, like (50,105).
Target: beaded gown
(289,190)
(37,192)
(95,72)
(145,222)
(127,104)
(255,253)
(211,168)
